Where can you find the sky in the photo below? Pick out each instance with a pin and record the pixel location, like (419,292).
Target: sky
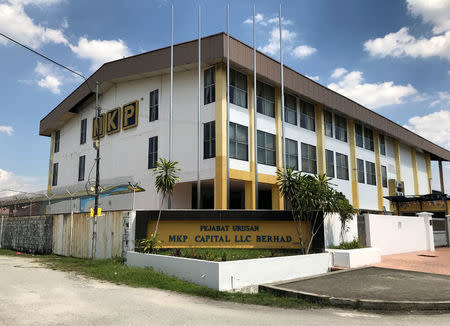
(391,56)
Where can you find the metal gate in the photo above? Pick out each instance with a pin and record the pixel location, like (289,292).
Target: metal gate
(440,232)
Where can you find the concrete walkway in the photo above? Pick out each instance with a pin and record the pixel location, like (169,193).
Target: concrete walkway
(373,288)
(437,261)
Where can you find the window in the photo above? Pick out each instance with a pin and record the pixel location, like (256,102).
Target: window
(57,139)
(55,174)
(342,166)
(209,139)
(265,99)
(83,131)
(382,145)
(291,154)
(266,148)
(359,135)
(328,123)
(370,173)
(360,167)
(368,139)
(309,163)
(238,141)
(153,108)
(329,158)
(290,109)
(341,128)
(81,167)
(307,116)
(209,86)
(238,88)
(384,180)
(152,152)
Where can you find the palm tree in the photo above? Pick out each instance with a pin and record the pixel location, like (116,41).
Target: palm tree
(166,173)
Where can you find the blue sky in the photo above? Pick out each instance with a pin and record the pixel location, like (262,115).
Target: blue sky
(392,56)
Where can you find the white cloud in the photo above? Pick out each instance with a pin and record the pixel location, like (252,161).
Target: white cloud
(433,126)
(316,78)
(9,130)
(402,43)
(371,95)
(50,78)
(100,51)
(9,180)
(338,72)
(15,23)
(290,42)
(434,12)
(443,100)
(303,51)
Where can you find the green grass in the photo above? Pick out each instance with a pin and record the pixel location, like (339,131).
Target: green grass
(348,245)
(227,254)
(114,271)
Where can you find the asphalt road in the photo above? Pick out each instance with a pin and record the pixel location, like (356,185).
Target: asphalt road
(33,295)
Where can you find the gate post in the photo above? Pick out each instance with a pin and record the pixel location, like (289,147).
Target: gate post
(429,236)
(447,217)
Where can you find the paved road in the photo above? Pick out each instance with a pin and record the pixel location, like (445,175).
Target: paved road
(33,295)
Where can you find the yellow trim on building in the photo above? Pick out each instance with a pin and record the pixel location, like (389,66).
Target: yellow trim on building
(429,175)
(398,170)
(415,174)
(220,181)
(321,164)
(240,175)
(267,178)
(250,196)
(50,165)
(277,198)
(376,137)
(353,167)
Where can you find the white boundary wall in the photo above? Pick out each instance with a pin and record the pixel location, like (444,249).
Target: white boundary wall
(355,257)
(398,234)
(232,275)
(332,230)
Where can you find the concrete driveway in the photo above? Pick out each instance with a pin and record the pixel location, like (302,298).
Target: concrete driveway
(33,295)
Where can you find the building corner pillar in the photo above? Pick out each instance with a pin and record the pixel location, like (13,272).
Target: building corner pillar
(220,180)
(378,169)
(50,164)
(321,164)
(415,173)
(353,166)
(277,198)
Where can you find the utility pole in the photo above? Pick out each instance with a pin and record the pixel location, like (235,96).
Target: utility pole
(97,174)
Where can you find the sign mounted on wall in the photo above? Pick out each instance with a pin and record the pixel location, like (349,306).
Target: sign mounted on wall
(111,122)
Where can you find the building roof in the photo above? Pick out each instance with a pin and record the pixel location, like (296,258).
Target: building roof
(241,56)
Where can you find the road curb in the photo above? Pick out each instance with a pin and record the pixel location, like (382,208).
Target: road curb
(368,304)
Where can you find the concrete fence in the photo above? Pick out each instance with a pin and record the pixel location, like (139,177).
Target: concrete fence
(399,234)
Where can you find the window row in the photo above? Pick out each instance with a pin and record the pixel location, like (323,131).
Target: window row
(81,170)
(340,165)
(338,129)
(367,173)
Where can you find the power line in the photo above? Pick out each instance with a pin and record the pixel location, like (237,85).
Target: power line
(44,56)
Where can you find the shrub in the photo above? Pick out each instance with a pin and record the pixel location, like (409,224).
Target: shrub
(348,245)
(148,246)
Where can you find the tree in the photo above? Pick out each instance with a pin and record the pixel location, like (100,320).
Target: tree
(166,173)
(311,198)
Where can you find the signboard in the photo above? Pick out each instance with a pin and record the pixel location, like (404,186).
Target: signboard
(95,127)
(130,115)
(228,234)
(111,122)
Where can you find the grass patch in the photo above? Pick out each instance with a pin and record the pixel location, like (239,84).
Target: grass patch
(114,271)
(227,254)
(348,245)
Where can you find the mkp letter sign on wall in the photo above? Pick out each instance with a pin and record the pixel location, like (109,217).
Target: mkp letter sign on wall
(110,121)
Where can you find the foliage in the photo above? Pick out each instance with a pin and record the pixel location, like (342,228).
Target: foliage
(227,254)
(354,244)
(166,177)
(149,246)
(310,198)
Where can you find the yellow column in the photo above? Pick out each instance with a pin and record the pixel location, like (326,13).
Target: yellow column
(397,160)
(378,169)
(50,164)
(415,175)
(353,167)
(429,175)
(220,181)
(277,199)
(321,164)
(250,198)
